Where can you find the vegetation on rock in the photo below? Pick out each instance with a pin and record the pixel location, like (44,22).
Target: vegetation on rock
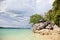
(51,23)
(35,18)
(52,15)
(57,19)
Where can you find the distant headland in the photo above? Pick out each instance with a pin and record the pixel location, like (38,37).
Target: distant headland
(12,28)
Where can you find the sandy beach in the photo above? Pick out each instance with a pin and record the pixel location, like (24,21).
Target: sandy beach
(46,37)
(34,37)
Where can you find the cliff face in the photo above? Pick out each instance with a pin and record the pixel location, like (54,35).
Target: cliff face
(45,28)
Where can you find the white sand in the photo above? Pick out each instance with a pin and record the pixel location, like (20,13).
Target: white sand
(46,37)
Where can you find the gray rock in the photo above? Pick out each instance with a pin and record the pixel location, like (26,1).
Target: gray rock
(55,27)
(50,27)
(44,25)
(40,26)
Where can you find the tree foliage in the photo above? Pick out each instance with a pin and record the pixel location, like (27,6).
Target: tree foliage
(35,18)
(56,8)
(57,18)
(54,13)
(49,16)
(56,5)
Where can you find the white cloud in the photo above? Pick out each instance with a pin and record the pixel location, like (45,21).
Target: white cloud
(11,14)
(3,6)
(2,9)
(43,6)
(51,2)
(16,13)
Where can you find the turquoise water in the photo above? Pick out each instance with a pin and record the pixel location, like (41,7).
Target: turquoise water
(16,34)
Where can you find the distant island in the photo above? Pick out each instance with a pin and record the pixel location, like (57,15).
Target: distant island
(12,28)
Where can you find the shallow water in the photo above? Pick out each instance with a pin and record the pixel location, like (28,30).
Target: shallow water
(16,34)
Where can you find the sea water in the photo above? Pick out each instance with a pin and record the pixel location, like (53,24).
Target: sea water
(24,34)
(16,34)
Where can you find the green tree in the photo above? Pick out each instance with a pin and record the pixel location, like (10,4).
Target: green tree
(56,8)
(54,13)
(49,16)
(35,18)
(56,5)
(57,18)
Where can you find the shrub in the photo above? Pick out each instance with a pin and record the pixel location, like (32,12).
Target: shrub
(35,18)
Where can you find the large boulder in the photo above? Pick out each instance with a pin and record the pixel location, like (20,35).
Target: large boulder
(50,27)
(55,27)
(39,26)
(35,26)
(45,28)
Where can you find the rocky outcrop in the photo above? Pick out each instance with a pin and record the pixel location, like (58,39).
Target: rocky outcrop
(46,28)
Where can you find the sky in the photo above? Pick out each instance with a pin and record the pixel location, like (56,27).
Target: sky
(16,13)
